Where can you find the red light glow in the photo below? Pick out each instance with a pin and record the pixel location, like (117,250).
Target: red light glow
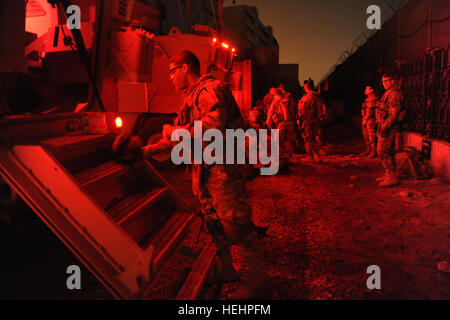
(214,40)
(224,45)
(119,122)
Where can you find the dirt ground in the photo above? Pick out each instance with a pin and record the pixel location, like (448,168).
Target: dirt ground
(327,223)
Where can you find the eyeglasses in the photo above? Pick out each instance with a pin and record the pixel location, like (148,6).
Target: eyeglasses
(172,71)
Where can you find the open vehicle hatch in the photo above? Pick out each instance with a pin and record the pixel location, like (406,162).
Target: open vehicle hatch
(123,221)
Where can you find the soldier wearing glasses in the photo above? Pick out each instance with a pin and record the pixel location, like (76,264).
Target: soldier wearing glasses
(220,188)
(390,110)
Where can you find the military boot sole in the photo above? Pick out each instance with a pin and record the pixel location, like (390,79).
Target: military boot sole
(386,184)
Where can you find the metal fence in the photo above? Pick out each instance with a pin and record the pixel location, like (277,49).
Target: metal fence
(426,85)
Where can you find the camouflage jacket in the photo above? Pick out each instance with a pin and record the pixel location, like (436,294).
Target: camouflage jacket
(279,112)
(311,108)
(391,105)
(210,101)
(369,109)
(267,101)
(255,116)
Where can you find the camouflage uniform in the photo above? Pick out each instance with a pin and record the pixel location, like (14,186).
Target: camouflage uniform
(281,115)
(256,118)
(221,188)
(369,123)
(267,101)
(319,133)
(391,105)
(310,111)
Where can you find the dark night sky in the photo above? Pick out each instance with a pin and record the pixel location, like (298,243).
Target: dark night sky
(314,33)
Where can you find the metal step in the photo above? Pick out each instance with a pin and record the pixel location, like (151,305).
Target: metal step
(135,203)
(70,147)
(168,237)
(71,181)
(196,278)
(94,174)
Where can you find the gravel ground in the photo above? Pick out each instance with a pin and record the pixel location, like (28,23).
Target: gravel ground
(327,224)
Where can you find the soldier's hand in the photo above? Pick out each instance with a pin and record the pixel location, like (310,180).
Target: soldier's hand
(147,151)
(134,144)
(119,141)
(128,147)
(167,131)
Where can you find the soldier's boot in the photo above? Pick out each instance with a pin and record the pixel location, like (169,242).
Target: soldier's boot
(368,149)
(373,152)
(224,262)
(310,155)
(390,180)
(381,179)
(317,158)
(225,269)
(253,285)
(366,152)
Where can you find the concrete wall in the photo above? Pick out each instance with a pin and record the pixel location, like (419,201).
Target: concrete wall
(440,153)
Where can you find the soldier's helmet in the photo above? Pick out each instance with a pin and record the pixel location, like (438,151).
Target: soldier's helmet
(308,86)
(272,91)
(368,90)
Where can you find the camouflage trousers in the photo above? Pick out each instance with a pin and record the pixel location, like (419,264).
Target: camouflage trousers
(288,139)
(319,136)
(386,149)
(227,212)
(310,132)
(369,131)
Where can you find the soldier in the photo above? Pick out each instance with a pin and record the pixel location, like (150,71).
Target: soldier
(268,98)
(311,112)
(272,116)
(256,116)
(391,106)
(369,122)
(281,115)
(220,188)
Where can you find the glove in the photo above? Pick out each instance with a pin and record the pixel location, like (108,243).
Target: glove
(128,147)
(167,131)
(120,140)
(147,151)
(162,145)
